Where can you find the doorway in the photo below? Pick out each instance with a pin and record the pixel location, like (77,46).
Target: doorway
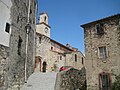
(44,66)
(37,66)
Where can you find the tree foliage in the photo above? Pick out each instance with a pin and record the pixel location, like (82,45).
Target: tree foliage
(116,84)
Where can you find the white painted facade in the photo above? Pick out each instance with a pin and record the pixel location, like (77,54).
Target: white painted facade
(5,6)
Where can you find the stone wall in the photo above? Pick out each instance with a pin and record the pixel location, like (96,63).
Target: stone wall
(42,49)
(4,54)
(110,64)
(75,59)
(56,56)
(5,18)
(71,79)
(17,45)
(56,60)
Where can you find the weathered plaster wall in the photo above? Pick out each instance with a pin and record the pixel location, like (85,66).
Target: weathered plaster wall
(5,18)
(41,29)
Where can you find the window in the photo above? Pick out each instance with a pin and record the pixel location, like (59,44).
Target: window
(82,61)
(45,18)
(19,45)
(75,57)
(17,19)
(7,29)
(40,39)
(104,81)
(51,48)
(99,28)
(102,52)
(30,11)
(60,57)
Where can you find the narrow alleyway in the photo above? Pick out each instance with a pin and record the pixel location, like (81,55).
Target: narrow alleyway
(41,81)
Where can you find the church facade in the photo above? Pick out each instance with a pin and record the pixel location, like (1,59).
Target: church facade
(50,54)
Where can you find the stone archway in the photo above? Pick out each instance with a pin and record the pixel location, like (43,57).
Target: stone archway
(44,66)
(37,66)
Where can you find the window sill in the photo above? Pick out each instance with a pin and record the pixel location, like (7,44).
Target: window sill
(104,60)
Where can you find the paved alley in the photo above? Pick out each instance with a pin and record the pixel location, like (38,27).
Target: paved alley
(41,81)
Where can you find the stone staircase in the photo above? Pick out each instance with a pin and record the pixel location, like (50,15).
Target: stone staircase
(41,81)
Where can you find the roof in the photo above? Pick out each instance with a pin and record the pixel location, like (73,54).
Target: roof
(61,44)
(106,18)
(56,42)
(44,13)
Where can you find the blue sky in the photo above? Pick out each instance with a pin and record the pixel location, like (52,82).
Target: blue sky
(66,16)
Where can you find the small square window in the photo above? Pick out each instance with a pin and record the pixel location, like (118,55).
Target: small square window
(7,29)
(51,48)
(99,29)
(102,52)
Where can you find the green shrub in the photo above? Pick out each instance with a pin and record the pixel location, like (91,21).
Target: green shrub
(116,84)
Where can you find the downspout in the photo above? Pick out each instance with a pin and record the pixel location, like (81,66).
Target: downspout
(34,51)
(27,33)
(34,45)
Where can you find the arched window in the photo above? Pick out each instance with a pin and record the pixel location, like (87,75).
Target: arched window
(45,18)
(44,66)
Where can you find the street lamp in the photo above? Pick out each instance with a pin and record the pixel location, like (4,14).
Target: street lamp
(28,27)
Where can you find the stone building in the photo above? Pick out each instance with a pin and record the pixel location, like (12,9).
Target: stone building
(102,52)
(17,42)
(50,54)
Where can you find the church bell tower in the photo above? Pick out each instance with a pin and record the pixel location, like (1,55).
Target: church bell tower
(43,27)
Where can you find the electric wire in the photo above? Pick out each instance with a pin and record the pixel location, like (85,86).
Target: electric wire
(5,4)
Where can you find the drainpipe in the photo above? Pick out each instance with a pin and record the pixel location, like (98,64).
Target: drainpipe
(34,50)
(27,33)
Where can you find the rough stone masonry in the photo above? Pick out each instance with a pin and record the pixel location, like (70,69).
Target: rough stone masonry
(102,52)
(12,58)
(71,79)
